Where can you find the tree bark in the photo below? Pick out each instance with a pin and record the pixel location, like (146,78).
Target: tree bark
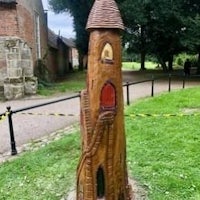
(170,62)
(163,64)
(198,64)
(143,54)
(80,59)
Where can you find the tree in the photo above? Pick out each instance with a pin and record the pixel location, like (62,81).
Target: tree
(135,16)
(162,28)
(154,27)
(157,27)
(166,30)
(191,37)
(79,10)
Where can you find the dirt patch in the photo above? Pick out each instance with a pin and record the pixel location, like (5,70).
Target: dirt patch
(139,193)
(191,110)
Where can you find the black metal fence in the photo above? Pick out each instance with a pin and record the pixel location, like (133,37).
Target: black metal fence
(9,113)
(152,81)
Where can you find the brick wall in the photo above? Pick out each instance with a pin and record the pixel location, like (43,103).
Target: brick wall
(27,10)
(8,21)
(19,20)
(26,27)
(8,27)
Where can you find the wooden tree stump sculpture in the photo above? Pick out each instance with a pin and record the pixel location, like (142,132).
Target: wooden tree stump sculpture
(102,171)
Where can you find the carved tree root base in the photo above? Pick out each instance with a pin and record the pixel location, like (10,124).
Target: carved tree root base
(139,193)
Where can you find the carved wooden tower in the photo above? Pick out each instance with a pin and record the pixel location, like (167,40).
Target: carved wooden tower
(102,171)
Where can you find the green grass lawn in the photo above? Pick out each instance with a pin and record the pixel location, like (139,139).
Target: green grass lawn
(137,65)
(162,154)
(148,65)
(73,82)
(76,81)
(48,173)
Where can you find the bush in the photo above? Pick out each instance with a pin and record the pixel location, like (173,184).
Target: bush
(181,58)
(41,71)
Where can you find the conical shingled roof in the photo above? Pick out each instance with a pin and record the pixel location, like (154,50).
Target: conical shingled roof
(104,14)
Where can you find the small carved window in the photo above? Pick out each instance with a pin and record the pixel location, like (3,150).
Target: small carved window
(100,183)
(108,97)
(107,54)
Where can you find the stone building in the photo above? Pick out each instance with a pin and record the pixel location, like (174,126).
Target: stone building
(23,40)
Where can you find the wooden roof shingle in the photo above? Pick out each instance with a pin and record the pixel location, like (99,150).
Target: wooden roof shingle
(104,14)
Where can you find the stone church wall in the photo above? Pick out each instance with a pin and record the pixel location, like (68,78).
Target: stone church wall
(16,68)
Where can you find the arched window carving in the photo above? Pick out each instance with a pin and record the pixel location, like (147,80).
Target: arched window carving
(108,97)
(100,183)
(107,54)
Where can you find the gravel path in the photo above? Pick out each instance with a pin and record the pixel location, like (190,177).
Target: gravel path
(31,127)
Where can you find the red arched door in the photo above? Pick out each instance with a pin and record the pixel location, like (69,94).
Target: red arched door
(108,97)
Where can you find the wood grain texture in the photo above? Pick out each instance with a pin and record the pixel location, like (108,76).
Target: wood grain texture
(102,171)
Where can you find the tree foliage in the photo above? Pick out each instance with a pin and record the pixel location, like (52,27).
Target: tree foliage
(79,10)
(162,28)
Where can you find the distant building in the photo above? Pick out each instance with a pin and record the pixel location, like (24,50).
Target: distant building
(73,54)
(26,20)
(23,40)
(62,55)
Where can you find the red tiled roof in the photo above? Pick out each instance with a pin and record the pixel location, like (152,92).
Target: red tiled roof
(104,14)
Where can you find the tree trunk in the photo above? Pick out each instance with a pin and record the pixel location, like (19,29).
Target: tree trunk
(143,53)
(163,64)
(143,60)
(170,62)
(80,59)
(198,64)
(85,61)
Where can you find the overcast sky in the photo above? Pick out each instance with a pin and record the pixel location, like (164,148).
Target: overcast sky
(59,22)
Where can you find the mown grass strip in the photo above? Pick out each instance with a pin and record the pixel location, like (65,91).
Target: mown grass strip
(163,152)
(162,155)
(47,173)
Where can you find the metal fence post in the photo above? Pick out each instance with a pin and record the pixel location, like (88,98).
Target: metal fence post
(170,80)
(127,93)
(12,137)
(152,86)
